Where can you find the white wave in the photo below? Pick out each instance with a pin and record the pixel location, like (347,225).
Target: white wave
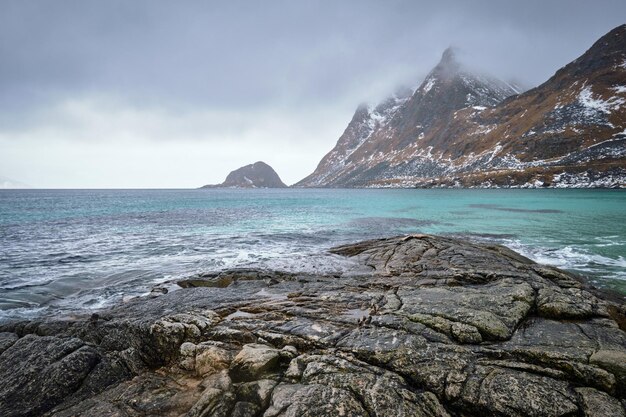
(573,258)
(22,313)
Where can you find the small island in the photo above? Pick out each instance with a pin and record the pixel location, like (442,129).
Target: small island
(257,175)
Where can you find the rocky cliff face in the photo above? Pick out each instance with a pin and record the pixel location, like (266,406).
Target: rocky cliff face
(438,327)
(460,128)
(257,175)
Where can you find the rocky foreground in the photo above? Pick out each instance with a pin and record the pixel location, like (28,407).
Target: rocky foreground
(439,327)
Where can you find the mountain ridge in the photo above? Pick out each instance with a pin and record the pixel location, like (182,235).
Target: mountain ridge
(413,116)
(460,128)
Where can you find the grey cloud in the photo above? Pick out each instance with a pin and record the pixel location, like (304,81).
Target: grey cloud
(285,57)
(251,53)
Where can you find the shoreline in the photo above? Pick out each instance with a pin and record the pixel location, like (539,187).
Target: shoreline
(438,326)
(598,283)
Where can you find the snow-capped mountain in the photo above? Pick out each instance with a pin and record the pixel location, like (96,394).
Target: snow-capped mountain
(462,128)
(365,122)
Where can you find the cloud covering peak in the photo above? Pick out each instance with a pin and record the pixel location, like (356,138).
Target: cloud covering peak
(168,94)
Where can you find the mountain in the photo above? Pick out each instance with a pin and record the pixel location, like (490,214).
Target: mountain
(257,175)
(377,138)
(8,183)
(460,128)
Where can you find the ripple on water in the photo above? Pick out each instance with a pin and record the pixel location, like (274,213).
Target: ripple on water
(63,250)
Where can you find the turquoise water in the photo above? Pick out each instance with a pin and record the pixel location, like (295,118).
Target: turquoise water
(77,249)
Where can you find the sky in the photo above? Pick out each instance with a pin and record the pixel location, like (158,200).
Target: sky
(176,94)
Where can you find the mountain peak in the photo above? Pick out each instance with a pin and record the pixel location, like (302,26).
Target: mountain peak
(448,65)
(608,51)
(613,41)
(260,165)
(363,108)
(457,128)
(448,56)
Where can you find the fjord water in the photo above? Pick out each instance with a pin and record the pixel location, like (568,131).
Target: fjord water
(62,250)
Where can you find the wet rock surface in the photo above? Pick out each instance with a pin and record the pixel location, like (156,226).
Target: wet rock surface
(439,327)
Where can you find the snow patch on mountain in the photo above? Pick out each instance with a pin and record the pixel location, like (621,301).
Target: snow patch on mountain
(584,180)
(593,105)
(486,90)
(381,115)
(457,127)
(430,82)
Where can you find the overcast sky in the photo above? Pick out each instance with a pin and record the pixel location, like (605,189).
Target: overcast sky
(178,93)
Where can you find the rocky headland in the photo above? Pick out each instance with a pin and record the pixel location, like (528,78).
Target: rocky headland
(423,326)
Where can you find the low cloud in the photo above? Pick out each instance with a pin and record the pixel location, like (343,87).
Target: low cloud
(110,145)
(155,93)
